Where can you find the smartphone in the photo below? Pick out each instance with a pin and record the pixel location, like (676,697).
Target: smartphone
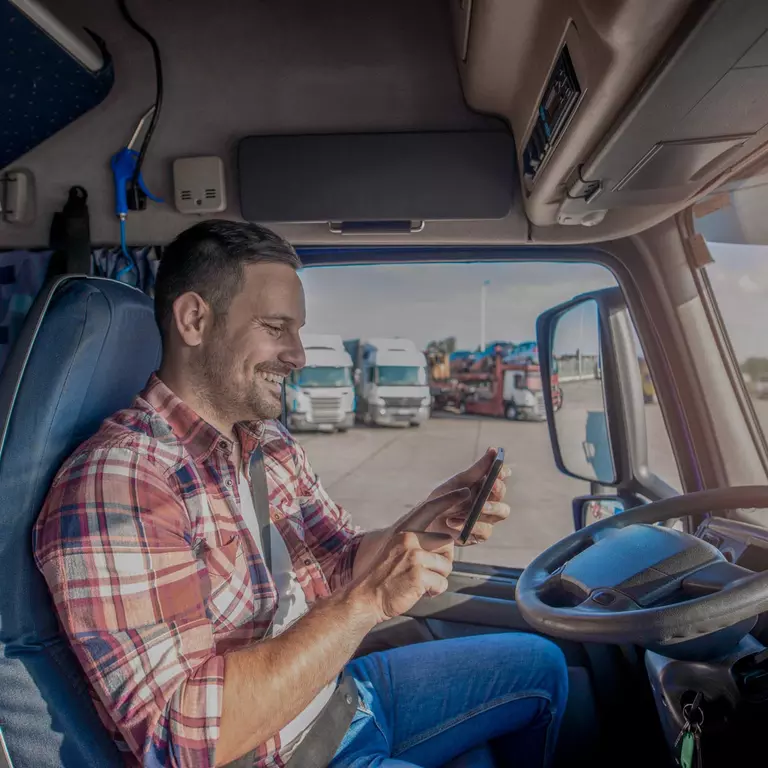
(482,497)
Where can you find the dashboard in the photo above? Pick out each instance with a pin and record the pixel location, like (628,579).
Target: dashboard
(741,543)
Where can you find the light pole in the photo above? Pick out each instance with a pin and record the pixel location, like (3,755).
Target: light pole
(483,291)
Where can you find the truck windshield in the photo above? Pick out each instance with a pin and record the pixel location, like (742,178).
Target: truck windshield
(534,382)
(400,376)
(325,376)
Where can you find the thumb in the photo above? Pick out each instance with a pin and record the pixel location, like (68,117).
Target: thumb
(481,467)
(426,512)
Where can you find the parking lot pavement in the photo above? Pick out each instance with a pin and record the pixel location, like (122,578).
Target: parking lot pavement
(378,474)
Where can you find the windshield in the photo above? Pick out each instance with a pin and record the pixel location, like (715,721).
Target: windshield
(324,376)
(400,376)
(534,382)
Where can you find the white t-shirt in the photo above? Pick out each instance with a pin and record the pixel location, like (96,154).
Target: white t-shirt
(291,606)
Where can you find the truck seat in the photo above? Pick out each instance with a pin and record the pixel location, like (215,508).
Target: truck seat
(87,347)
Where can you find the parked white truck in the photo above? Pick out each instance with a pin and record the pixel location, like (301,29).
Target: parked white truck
(390,381)
(321,396)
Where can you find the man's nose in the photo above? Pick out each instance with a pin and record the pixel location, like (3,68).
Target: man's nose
(295,355)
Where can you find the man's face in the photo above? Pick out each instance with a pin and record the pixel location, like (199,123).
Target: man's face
(245,356)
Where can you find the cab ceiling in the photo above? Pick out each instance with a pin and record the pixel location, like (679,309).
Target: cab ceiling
(257,67)
(245,67)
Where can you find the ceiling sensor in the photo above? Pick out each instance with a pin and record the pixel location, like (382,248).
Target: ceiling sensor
(198,185)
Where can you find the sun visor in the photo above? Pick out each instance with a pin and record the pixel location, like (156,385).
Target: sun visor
(377,177)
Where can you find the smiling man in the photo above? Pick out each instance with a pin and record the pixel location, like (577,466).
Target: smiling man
(211,635)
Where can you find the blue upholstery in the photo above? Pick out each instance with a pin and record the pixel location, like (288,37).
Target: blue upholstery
(42,88)
(87,347)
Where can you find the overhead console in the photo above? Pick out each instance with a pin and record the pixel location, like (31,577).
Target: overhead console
(619,110)
(690,121)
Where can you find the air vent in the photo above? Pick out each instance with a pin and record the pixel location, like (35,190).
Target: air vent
(199,185)
(555,110)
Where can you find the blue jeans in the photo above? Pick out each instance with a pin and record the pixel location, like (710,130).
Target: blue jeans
(425,704)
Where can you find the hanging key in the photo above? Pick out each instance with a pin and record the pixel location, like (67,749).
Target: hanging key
(687,749)
(681,735)
(690,736)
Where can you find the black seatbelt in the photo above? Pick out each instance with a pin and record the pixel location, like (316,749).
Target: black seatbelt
(327,732)
(319,746)
(260,496)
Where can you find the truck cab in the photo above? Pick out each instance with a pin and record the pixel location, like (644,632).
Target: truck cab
(392,388)
(612,157)
(320,396)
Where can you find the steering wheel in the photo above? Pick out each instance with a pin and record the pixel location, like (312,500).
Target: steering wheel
(625,580)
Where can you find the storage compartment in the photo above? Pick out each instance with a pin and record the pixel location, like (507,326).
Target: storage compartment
(706,107)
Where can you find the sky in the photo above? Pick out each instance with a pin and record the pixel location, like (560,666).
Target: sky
(427,302)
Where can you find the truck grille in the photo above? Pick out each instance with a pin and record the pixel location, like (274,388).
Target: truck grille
(326,410)
(403,402)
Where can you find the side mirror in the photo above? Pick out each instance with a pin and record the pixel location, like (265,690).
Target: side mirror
(591,509)
(579,423)
(595,406)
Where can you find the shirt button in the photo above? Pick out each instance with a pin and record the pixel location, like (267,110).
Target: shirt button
(228,483)
(307,562)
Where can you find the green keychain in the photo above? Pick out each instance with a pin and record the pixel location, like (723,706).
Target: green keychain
(686,750)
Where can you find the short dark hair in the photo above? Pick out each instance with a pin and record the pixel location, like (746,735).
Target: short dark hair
(209,259)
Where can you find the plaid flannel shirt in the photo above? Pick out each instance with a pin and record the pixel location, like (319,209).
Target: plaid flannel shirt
(155,575)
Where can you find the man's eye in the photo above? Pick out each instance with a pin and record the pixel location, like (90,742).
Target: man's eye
(275,330)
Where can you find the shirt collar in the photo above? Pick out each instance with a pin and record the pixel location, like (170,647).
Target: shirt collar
(198,437)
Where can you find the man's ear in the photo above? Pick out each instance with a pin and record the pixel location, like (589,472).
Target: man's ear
(191,316)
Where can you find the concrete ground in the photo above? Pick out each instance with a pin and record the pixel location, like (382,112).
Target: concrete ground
(377,474)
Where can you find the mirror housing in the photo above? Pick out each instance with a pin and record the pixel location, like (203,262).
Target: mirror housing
(623,399)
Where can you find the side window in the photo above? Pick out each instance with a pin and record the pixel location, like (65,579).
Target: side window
(476,324)
(661,458)
(739,280)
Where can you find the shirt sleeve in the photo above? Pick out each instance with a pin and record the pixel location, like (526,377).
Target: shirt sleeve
(329,532)
(113,544)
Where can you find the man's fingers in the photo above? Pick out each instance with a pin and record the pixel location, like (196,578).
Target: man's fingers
(421,517)
(480,468)
(493,512)
(434,584)
(441,543)
(480,532)
(431,561)
(499,491)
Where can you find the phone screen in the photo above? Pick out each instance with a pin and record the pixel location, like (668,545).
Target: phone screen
(482,497)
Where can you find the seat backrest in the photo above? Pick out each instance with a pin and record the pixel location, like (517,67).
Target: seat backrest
(87,348)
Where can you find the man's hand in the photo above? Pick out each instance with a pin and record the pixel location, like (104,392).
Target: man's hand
(409,565)
(423,518)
